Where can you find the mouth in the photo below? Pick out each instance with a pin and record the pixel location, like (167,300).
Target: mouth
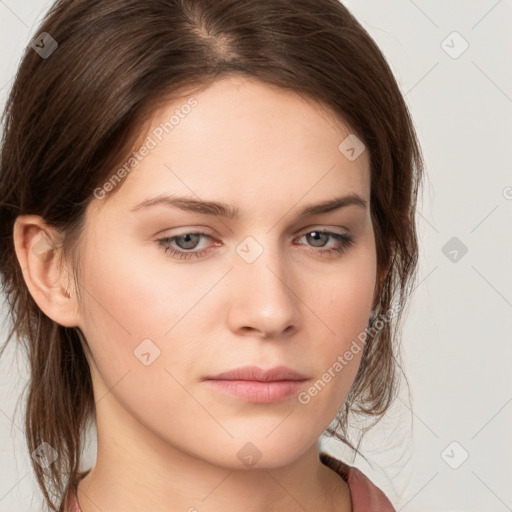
(253,384)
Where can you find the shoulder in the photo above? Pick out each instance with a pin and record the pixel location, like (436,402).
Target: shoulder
(70,500)
(366,497)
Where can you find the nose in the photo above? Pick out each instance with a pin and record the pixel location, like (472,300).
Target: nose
(264,299)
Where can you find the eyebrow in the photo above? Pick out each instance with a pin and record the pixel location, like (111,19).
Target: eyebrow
(190,204)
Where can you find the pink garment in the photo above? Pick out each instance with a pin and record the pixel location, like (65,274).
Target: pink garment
(366,497)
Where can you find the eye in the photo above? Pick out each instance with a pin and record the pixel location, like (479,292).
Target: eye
(318,237)
(186,242)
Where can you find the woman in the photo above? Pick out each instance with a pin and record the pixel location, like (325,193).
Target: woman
(208,215)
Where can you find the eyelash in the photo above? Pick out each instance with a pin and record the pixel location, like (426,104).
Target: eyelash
(344,242)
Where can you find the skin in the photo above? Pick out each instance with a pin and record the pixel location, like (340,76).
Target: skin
(166,440)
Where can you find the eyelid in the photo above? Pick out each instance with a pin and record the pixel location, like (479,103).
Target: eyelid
(200,230)
(323,227)
(185,230)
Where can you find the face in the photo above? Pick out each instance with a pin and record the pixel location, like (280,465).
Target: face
(173,295)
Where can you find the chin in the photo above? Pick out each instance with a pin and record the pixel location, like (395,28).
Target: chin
(264,451)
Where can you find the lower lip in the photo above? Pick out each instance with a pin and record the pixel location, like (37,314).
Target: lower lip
(258,392)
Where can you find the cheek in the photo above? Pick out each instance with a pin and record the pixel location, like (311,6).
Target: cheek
(343,298)
(131,320)
(341,305)
(130,303)
(139,308)
(120,301)
(129,290)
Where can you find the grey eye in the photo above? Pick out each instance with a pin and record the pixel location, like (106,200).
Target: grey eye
(190,240)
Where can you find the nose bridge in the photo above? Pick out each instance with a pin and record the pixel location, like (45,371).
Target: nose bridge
(261,255)
(265,297)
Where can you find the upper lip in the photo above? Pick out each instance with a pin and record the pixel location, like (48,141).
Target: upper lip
(258,374)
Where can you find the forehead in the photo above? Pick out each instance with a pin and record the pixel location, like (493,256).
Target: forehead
(245,140)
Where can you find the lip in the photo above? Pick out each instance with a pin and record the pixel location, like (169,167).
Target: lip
(253,384)
(255,373)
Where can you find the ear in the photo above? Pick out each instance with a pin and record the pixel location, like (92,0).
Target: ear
(40,261)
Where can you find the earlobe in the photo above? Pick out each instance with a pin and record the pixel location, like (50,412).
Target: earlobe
(40,261)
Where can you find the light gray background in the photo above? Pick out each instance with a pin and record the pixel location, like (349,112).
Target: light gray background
(457,341)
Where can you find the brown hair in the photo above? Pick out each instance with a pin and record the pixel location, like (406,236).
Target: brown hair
(73,117)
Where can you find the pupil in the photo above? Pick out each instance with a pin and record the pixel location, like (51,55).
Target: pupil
(188,244)
(314,235)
